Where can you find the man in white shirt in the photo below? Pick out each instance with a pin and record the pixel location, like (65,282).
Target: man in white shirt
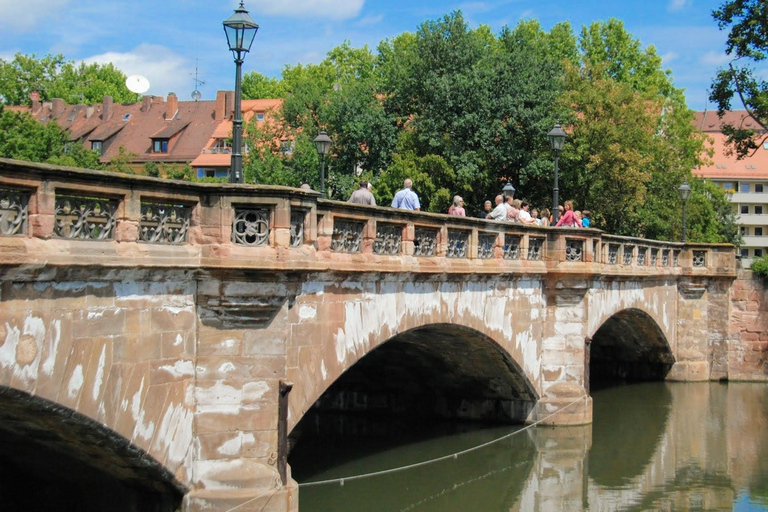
(500,212)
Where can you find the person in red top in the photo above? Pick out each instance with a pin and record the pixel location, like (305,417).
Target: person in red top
(568,219)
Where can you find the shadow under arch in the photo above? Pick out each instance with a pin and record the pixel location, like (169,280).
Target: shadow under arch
(402,392)
(629,346)
(54,458)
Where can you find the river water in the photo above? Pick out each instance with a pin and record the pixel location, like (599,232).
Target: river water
(652,446)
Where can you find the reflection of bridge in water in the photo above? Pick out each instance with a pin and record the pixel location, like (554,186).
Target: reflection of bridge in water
(652,446)
(194,325)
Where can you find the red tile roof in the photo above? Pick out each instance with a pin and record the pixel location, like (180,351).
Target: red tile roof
(725,166)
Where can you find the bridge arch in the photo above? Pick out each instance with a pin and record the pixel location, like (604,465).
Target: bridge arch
(436,370)
(52,457)
(630,345)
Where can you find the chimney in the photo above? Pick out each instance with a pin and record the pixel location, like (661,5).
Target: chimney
(36,105)
(146,103)
(106,110)
(89,112)
(172,107)
(218,114)
(229,103)
(57,107)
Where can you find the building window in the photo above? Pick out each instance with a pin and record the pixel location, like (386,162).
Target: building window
(744,209)
(96,146)
(759,188)
(744,188)
(159,145)
(728,185)
(744,231)
(259,116)
(745,253)
(758,209)
(758,253)
(758,231)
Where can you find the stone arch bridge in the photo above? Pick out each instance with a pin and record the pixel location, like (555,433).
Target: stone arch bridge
(173,334)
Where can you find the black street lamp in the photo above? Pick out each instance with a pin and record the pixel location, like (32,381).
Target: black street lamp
(556,142)
(508,190)
(323,145)
(685,191)
(240,30)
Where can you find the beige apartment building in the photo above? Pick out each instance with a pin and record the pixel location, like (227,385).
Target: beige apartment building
(745,180)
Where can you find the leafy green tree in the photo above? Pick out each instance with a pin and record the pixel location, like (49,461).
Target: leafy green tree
(710,214)
(480,103)
(747,43)
(53,77)
(257,86)
(151,169)
(24,138)
(121,162)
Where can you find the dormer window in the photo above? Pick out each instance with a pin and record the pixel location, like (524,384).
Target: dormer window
(159,145)
(96,145)
(260,116)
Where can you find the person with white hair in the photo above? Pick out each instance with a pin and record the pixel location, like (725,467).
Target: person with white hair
(406,198)
(457,208)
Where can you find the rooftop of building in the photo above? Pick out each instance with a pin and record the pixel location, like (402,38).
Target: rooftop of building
(724,164)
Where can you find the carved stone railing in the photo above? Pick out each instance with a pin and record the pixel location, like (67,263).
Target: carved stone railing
(347,236)
(425,242)
(486,245)
(251,226)
(85,218)
(458,243)
(164,223)
(14,210)
(389,239)
(263,227)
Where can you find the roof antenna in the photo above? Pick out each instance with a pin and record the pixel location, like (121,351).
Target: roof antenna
(196,94)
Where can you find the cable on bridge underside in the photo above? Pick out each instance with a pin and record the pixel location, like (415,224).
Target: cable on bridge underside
(341,481)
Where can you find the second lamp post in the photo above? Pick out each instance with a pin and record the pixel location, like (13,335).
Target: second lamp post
(240,30)
(556,142)
(323,145)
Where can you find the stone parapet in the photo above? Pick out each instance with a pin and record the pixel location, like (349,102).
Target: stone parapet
(129,221)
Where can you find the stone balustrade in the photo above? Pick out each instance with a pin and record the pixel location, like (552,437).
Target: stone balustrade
(64,216)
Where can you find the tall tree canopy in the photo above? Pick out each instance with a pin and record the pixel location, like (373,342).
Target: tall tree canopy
(54,77)
(747,44)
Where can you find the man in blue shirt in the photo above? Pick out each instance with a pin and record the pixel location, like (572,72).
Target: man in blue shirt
(406,198)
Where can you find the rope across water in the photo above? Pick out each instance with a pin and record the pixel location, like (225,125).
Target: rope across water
(341,481)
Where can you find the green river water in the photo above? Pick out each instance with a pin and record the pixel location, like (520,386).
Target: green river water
(652,446)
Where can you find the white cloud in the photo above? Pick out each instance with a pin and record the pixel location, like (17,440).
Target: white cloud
(715,58)
(326,9)
(669,57)
(370,20)
(166,71)
(677,5)
(19,16)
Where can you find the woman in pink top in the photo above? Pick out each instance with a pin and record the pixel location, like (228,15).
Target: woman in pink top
(457,208)
(568,219)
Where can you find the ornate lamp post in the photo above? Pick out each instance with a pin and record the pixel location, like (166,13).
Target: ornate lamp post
(508,190)
(685,191)
(240,30)
(323,145)
(556,142)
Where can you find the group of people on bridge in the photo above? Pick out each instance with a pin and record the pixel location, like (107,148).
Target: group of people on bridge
(508,210)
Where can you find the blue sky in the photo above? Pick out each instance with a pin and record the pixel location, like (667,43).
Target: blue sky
(163,39)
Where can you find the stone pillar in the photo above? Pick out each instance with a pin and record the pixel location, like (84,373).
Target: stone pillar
(692,332)
(562,356)
(241,362)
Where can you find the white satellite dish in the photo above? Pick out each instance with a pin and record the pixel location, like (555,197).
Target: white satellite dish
(137,84)
(196,95)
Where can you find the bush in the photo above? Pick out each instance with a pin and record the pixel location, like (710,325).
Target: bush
(760,266)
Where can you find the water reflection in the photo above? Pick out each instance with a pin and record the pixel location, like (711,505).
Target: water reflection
(653,446)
